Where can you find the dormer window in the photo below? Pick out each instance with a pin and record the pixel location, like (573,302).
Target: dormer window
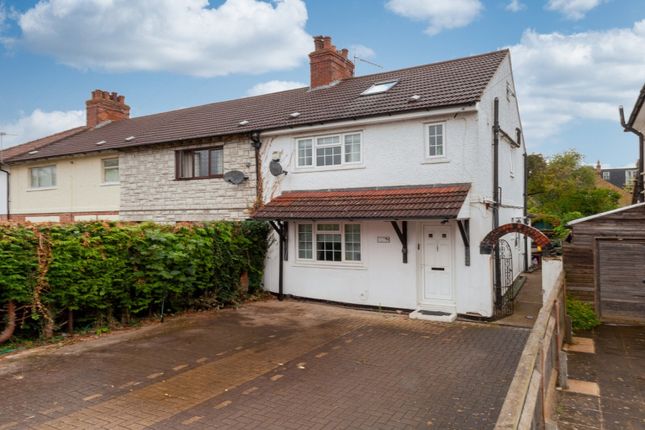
(379,87)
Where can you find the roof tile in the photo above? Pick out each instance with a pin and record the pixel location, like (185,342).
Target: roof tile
(419,201)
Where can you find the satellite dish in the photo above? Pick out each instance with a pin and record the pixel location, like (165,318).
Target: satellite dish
(276,169)
(235,177)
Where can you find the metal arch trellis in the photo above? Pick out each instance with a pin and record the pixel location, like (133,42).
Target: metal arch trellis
(505,306)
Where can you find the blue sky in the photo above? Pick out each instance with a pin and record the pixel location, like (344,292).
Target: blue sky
(574,61)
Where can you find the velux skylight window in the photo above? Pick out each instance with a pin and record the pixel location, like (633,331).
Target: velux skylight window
(379,87)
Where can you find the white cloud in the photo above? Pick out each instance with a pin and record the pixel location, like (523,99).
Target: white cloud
(561,78)
(273,87)
(40,124)
(185,37)
(573,9)
(440,14)
(515,6)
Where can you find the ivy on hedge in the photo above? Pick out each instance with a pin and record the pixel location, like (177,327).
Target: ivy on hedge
(99,272)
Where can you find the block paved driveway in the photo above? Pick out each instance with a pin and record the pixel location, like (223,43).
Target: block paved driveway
(269,365)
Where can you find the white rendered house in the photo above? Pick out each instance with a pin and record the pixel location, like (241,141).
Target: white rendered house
(386,203)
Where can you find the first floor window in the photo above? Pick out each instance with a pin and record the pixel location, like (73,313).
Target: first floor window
(435,140)
(200,163)
(43,177)
(323,151)
(111,171)
(333,242)
(606,176)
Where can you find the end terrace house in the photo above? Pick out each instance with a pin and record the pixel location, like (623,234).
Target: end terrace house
(385,185)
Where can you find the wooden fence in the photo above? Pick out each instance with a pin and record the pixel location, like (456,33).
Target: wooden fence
(530,401)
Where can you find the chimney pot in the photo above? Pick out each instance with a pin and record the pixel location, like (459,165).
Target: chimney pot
(327,65)
(105,106)
(318,43)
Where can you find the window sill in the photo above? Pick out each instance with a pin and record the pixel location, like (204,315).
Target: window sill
(200,178)
(437,160)
(110,184)
(42,189)
(327,168)
(335,265)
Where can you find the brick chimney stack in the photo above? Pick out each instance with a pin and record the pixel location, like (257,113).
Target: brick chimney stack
(327,64)
(106,106)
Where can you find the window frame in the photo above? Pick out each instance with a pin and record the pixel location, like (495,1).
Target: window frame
(343,249)
(373,89)
(47,187)
(314,151)
(103,170)
(606,175)
(178,159)
(426,139)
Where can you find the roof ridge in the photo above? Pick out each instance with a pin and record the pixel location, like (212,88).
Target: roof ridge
(453,60)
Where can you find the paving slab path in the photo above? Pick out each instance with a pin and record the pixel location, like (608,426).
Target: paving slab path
(269,365)
(606,381)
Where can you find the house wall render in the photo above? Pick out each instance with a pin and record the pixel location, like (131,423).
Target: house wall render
(79,188)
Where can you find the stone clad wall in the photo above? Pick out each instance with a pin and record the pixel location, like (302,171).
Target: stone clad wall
(150,192)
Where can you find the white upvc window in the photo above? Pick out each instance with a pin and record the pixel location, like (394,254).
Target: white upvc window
(606,176)
(329,242)
(436,140)
(110,170)
(329,151)
(43,177)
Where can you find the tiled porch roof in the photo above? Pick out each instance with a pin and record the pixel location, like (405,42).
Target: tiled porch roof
(391,203)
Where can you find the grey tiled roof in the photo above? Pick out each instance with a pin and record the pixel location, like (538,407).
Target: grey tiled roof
(449,83)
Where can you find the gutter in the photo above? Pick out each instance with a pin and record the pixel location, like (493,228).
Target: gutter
(628,127)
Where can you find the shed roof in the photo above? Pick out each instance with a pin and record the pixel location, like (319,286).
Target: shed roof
(390,203)
(456,82)
(600,215)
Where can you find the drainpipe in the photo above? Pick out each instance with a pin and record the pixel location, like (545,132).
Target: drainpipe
(641,163)
(256,143)
(525,197)
(496,204)
(8,200)
(280,228)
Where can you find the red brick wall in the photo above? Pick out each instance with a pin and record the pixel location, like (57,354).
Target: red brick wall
(65,217)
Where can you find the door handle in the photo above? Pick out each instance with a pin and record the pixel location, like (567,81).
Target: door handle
(439,268)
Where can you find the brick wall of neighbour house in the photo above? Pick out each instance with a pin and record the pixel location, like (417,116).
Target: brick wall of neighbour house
(151,192)
(64,217)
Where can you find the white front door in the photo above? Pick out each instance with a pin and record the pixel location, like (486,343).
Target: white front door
(436,285)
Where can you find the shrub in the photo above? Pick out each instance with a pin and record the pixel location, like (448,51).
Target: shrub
(92,274)
(583,316)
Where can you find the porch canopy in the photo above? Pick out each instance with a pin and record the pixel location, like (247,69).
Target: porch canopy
(382,203)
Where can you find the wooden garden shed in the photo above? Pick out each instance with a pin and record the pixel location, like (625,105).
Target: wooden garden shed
(604,263)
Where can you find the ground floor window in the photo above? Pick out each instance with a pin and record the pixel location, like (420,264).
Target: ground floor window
(329,242)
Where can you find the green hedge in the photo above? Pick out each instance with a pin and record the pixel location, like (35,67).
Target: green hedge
(94,274)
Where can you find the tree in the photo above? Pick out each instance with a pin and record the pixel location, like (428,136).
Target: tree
(562,187)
